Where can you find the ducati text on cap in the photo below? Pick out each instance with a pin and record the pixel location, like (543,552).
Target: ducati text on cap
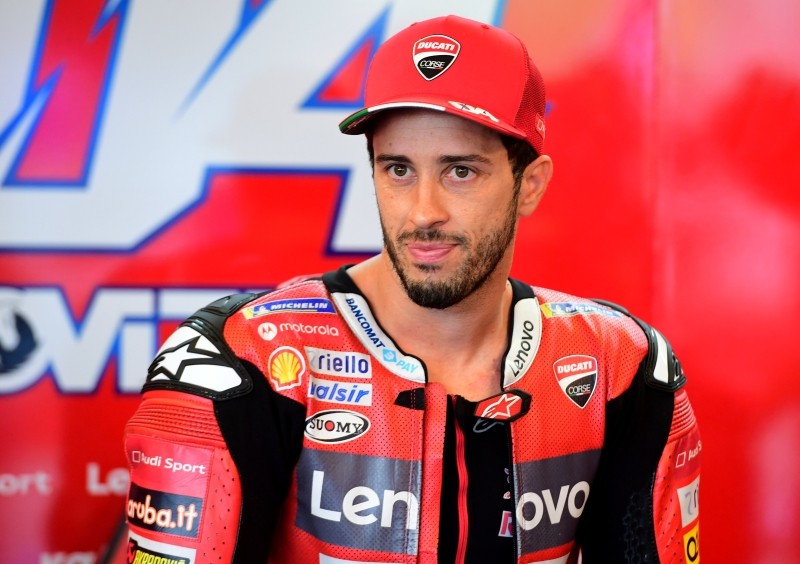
(434,54)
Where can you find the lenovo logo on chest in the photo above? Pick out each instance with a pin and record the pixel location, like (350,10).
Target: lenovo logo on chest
(532,507)
(554,493)
(362,505)
(359,501)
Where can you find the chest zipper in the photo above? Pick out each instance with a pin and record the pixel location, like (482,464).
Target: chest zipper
(513,489)
(463,485)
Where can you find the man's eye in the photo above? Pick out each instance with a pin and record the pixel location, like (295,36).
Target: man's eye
(399,169)
(461,171)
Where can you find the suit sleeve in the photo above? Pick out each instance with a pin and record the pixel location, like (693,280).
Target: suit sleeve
(644,506)
(211,450)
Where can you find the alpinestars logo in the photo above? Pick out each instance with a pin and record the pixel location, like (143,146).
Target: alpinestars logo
(190,358)
(577,376)
(506,406)
(435,54)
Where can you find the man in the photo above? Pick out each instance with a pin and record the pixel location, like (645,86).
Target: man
(421,406)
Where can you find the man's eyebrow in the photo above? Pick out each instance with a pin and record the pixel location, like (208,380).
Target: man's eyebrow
(474,158)
(384,158)
(445,159)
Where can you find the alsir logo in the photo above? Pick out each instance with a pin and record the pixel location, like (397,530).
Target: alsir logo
(577,376)
(336,426)
(435,54)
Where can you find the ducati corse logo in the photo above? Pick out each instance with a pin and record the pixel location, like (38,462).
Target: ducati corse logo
(435,54)
(577,377)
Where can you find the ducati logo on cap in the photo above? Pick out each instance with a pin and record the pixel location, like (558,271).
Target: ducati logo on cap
(435,54)
(577,376)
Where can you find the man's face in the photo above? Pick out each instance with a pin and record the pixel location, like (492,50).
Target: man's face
(447,203)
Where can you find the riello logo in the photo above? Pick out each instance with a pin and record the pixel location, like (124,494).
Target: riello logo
(336,426)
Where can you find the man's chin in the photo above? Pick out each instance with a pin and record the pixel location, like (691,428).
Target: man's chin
(427,274)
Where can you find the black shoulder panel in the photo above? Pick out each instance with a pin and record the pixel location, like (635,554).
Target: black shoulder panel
(224,307)
(196,359)
(662,369)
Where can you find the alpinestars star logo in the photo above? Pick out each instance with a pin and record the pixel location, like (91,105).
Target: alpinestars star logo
(506,406)
(175,360)
(189,357)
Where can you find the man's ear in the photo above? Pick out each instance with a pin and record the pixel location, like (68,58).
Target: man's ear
(535,179)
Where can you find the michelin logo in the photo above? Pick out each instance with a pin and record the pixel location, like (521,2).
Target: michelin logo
(298,305)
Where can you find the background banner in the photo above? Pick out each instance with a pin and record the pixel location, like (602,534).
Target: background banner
(155,156)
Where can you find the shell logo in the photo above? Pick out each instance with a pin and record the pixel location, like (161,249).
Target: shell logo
(286,367)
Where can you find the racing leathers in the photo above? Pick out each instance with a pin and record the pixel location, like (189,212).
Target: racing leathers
(289,427)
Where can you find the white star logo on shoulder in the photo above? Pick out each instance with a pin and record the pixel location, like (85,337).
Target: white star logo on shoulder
(190,358)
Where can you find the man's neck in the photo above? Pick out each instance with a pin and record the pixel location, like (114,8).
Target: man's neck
(462,346)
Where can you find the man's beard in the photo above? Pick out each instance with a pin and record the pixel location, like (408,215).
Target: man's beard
(477,267)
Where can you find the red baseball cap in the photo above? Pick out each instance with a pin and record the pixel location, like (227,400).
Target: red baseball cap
(459,66)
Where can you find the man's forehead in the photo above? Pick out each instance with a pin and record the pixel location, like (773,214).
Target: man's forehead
(420,123)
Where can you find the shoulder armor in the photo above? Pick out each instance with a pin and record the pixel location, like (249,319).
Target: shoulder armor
(661,368)
(196,359)
(217,312)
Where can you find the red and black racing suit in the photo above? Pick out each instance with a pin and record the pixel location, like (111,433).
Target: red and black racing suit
(288,427)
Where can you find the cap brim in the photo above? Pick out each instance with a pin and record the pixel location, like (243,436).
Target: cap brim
(358,122)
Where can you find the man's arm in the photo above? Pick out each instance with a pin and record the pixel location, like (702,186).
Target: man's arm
(211,449)
(644,502)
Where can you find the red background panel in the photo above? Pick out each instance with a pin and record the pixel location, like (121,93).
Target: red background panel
(673,128)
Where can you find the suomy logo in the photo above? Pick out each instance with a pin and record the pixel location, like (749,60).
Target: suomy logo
(336,426)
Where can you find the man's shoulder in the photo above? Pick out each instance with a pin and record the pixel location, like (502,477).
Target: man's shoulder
(599,321)
(611,321)
(557,304)
(306,295)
